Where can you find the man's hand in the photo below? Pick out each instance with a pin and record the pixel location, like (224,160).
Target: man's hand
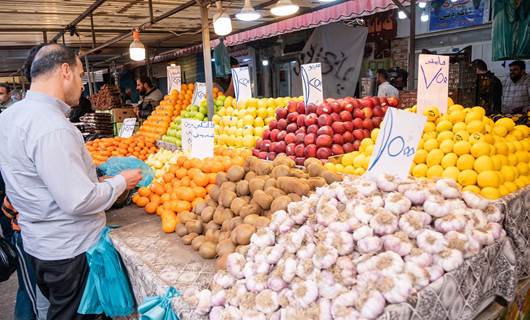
(132,177)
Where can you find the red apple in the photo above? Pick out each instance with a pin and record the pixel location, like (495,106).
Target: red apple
(300,107)
(347,137)
(358,134)
(289,149)
(325,130)
(377,112)
(375,101)
(300,138)
(366,133)
(310,119)
(348,107)
(273,146)
(292,157)
(290,138)
(357,123)
(309,138)
(324,141)
(281,135)
(258,143)
(266,134)
(348,147)
(348,126)
(271,155)
(292,117)
(280,147)
(367,124)
(255,152)
(291,106)
(377,121)
(356,145)
(335,117)
(357,114)
(393,101)
(312,129)
(274,134)
(282,124)
(367,112)
(266,145)
(273,124)
(281,113)
(310,151)
(324,108)
(383,100)
(292,127)
(324,120)
(338,127)
(385,108)
(262,155)
(356,104)
(336,107)
(300,121)
(324,153)
(299,150)
(337,139)
(367,102)
(345,116)
(300,130)
(311,108)
(337,149)
(299,161)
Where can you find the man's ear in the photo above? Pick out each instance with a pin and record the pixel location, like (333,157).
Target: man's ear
(66,70)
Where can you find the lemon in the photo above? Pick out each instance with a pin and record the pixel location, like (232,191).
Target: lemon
(475,126)
(461,147)
(444,125)
(430,144)
(511,147)
(471,188)
(487,179)
(429,127)
(429,135)
(347,159)
(359,171)
(434,171)
(457,116)
(449,160)
(450,103)
(421,143)
(517,134)
(431,113)
(369,150)
(518,146)
(500,131)
(519,182)
(476,137)
(434,157)
(451,172)
(330,166)
(512,159)
(465,161)
(522,156)
(420,170)
(374,134)
(490,193)
(510,186)
(497,161)
(349,169)
(459,126)
(445,135)
(339,167)
(461,136)
(467,177)
(480,149)
(421,156)
(506,123)
(473,116)
(500,176)
(358,160)
(479,110)
(522,168)
(501,147)
(483,163)
(503,190)
(446,146)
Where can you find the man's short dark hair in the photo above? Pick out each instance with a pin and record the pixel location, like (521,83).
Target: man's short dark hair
(7,87)
(29,60)
(233,62)
(480,64)
(518,63)
(383,73)
(49,57)
(146,79)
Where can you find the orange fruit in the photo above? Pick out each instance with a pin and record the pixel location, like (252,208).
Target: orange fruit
(181,205)
(168,177)
(186,193)
(209,187)
(181,173)
(201,179)
(200,192)
(151,207)
(157,188)
(165,197)
(185,181)
(159,210)
(155,198)
(211,177)
(142,201)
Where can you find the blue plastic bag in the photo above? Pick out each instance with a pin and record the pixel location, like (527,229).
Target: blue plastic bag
(115,165)
(108,289)
(159,308)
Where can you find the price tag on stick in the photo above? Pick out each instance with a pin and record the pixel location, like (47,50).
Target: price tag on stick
(242,85)
(397,142)
(312,83)
(174,80)
(198,138)
(199,93)
(433,85)
(128,127)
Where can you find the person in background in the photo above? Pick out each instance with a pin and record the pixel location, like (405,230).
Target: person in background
(5,97)
(516,90)
(385,89)
(127,96)
(84,107)
(150,97)
(489,88)
(230,91)
(51,180)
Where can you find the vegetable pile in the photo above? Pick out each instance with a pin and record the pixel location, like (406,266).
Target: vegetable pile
(351,248)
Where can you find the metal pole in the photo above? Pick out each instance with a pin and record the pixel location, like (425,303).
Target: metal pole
(44,37)
(151,17)
(207,59)
(87,67)
(412,45)
(63,40)
(92,30)
(79,18)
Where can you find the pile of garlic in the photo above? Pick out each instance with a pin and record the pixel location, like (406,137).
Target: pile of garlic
(350,249)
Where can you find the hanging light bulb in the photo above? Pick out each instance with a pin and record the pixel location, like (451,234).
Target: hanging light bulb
(222,24)
(325,1)
(424,17)
(422,4)
(248,13)
(137,48)
(454,1)
(284,8)
(402,15)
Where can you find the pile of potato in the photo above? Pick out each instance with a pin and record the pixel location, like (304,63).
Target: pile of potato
(244,199)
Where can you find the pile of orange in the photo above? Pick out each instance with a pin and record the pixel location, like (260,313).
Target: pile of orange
(158,122)
(137,145)
(186,183)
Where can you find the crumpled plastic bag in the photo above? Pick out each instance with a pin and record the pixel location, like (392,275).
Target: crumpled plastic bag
(107,289)
(159,308)
(115,165)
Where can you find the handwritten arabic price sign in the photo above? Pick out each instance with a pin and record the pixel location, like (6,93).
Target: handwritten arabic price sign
(241,79)
(173,78)
(199,93)
(397,142)
(433,86)
(128,127)
(198,138)
(312,83)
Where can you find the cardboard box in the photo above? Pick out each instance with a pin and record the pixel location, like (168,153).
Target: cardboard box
(118,114)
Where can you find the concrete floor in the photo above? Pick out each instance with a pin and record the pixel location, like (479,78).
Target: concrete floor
(8,292)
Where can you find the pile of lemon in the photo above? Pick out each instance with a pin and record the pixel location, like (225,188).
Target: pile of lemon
(483,156)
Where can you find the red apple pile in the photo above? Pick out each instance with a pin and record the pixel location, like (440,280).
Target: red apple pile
(334,127)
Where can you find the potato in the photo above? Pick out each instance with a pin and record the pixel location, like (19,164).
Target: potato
(242,233)
(223,235)
(211,226)
(186,216)
(242,188)
(316,182)
(194,226)
(207,250)
(220,264)
(251,219)
(283,160)
(220,216)
(275,192)
(250,175)
(197,241)
(297,173)
(214,193)
(280,171)
(263,168)
(331,176)
(220,178)
(242,250)
(237,204)
(235,173)
(293,185)
(262,222)
(187,239)
(225,247)
(226,198)
(269,183)
(181,230)
(309,161)
(315,169)
(251,208)
(200,206)
(294,197)
(229,225)
(280,203)
(256,184)
(210,201)
(212,235)
(228,186)
(263,199)
(207,214)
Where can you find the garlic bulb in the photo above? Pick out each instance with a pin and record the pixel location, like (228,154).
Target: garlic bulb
(413,222)
(216,313)
(328,287)
(419,257)
(346,195)
(289,269)
(298,212)
(431,241)
(384,222)
(435,272)
(275,253)
(386,183)
(389,263)
(451,222)
(267,301)
(305,269)
(416,195)
(253,315)
(436,206)
(264,237)
(370,244)
(306,251)
(455,204)
(231,312)
(462,242)
(374,201)
(364,213)
(234,294)
(449,259)
(284,298)
(476,218)
(370,303)
(396,288)
(224,279)
(419,275)
(448,188)
(277,218)
(257,283)
(362,232)
(247,302)
(235,263)
(483,236)
(493,213)
(397,203)
(367,187)
(474,201)
(204,303)
(495,229)
(219,298)
(294,240)
(343,306)
(341,241)
(286,225)
(304,292)
(327,213)
(275,282)
(325,256)
(324,307)
(398,242)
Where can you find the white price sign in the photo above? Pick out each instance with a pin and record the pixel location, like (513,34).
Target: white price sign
(433,85)
(199,93)
(198,138)
(397,142)
(174,80)
(128,127)
(241,80)
(312,83)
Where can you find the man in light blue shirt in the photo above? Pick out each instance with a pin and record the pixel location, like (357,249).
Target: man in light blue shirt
(51,180)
